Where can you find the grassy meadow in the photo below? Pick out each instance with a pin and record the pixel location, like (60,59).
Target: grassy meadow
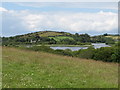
(58,38)
(29,69)
(113,37)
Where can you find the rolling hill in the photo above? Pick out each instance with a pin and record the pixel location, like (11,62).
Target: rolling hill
(55,37)
(46,34)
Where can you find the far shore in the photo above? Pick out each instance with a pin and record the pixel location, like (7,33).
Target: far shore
(56,45)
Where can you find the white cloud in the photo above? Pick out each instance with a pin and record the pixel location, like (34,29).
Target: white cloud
(21,21)
(74,22)
(3,9)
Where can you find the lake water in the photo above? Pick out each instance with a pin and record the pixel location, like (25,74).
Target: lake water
(99,45)
(95,45)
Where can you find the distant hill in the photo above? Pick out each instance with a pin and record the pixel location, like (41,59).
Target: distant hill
(46,34)
(55,37)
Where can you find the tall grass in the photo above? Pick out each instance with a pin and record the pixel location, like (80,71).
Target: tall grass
(29,69)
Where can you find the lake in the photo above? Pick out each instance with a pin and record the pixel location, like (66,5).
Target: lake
(95,45)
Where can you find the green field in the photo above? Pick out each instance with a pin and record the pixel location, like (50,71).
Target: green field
(51,33)
(58,38)
(29,69)
(46,34)
(113,37)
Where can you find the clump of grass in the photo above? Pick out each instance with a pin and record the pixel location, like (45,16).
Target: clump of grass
(29,69)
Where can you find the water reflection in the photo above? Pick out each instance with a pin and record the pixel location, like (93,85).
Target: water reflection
(95,45)
(99,45)
(71,48)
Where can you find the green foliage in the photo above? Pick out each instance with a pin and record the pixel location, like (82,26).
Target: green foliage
(86,53)
(52,37)
(67,41)
(116,55)
(82,38)
(109,41)
(41,48)
(105,34)
(104,54)
(102,39)
(58,38)
(47,37)
(66,52)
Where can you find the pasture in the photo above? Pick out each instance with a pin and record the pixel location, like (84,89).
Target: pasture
(30,69)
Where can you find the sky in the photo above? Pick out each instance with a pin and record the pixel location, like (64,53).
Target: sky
(93,18)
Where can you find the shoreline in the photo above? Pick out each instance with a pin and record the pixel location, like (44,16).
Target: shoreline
(66,45)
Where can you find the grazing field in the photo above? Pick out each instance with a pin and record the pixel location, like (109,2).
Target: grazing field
(46,34)
(58,38)
(29,69)
(114,37)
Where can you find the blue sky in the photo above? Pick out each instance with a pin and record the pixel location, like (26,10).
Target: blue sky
(75,7)
(92,18)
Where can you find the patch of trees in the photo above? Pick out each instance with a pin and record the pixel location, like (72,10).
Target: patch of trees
(107,54)
(102,39)
(83,38)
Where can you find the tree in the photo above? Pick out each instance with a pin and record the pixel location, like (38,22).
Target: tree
(105,34)
(104,53)
(86,53)
(109,41)
(52,41)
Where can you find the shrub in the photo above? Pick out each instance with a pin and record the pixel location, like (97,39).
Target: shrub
(86,53)
(104,54)
(41,48)
(64,52)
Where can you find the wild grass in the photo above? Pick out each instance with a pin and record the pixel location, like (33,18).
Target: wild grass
(29,69)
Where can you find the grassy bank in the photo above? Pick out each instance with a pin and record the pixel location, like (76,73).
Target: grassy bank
(25,69)
(58,45)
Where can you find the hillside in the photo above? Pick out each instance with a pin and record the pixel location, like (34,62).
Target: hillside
(29,69)
(55,37)
(113,37)
(46,34)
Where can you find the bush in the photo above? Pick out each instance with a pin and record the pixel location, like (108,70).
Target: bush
(107,54)
(41,48)
(109,41)
(104,54)
(64,52)
(86,53)
(116,56)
